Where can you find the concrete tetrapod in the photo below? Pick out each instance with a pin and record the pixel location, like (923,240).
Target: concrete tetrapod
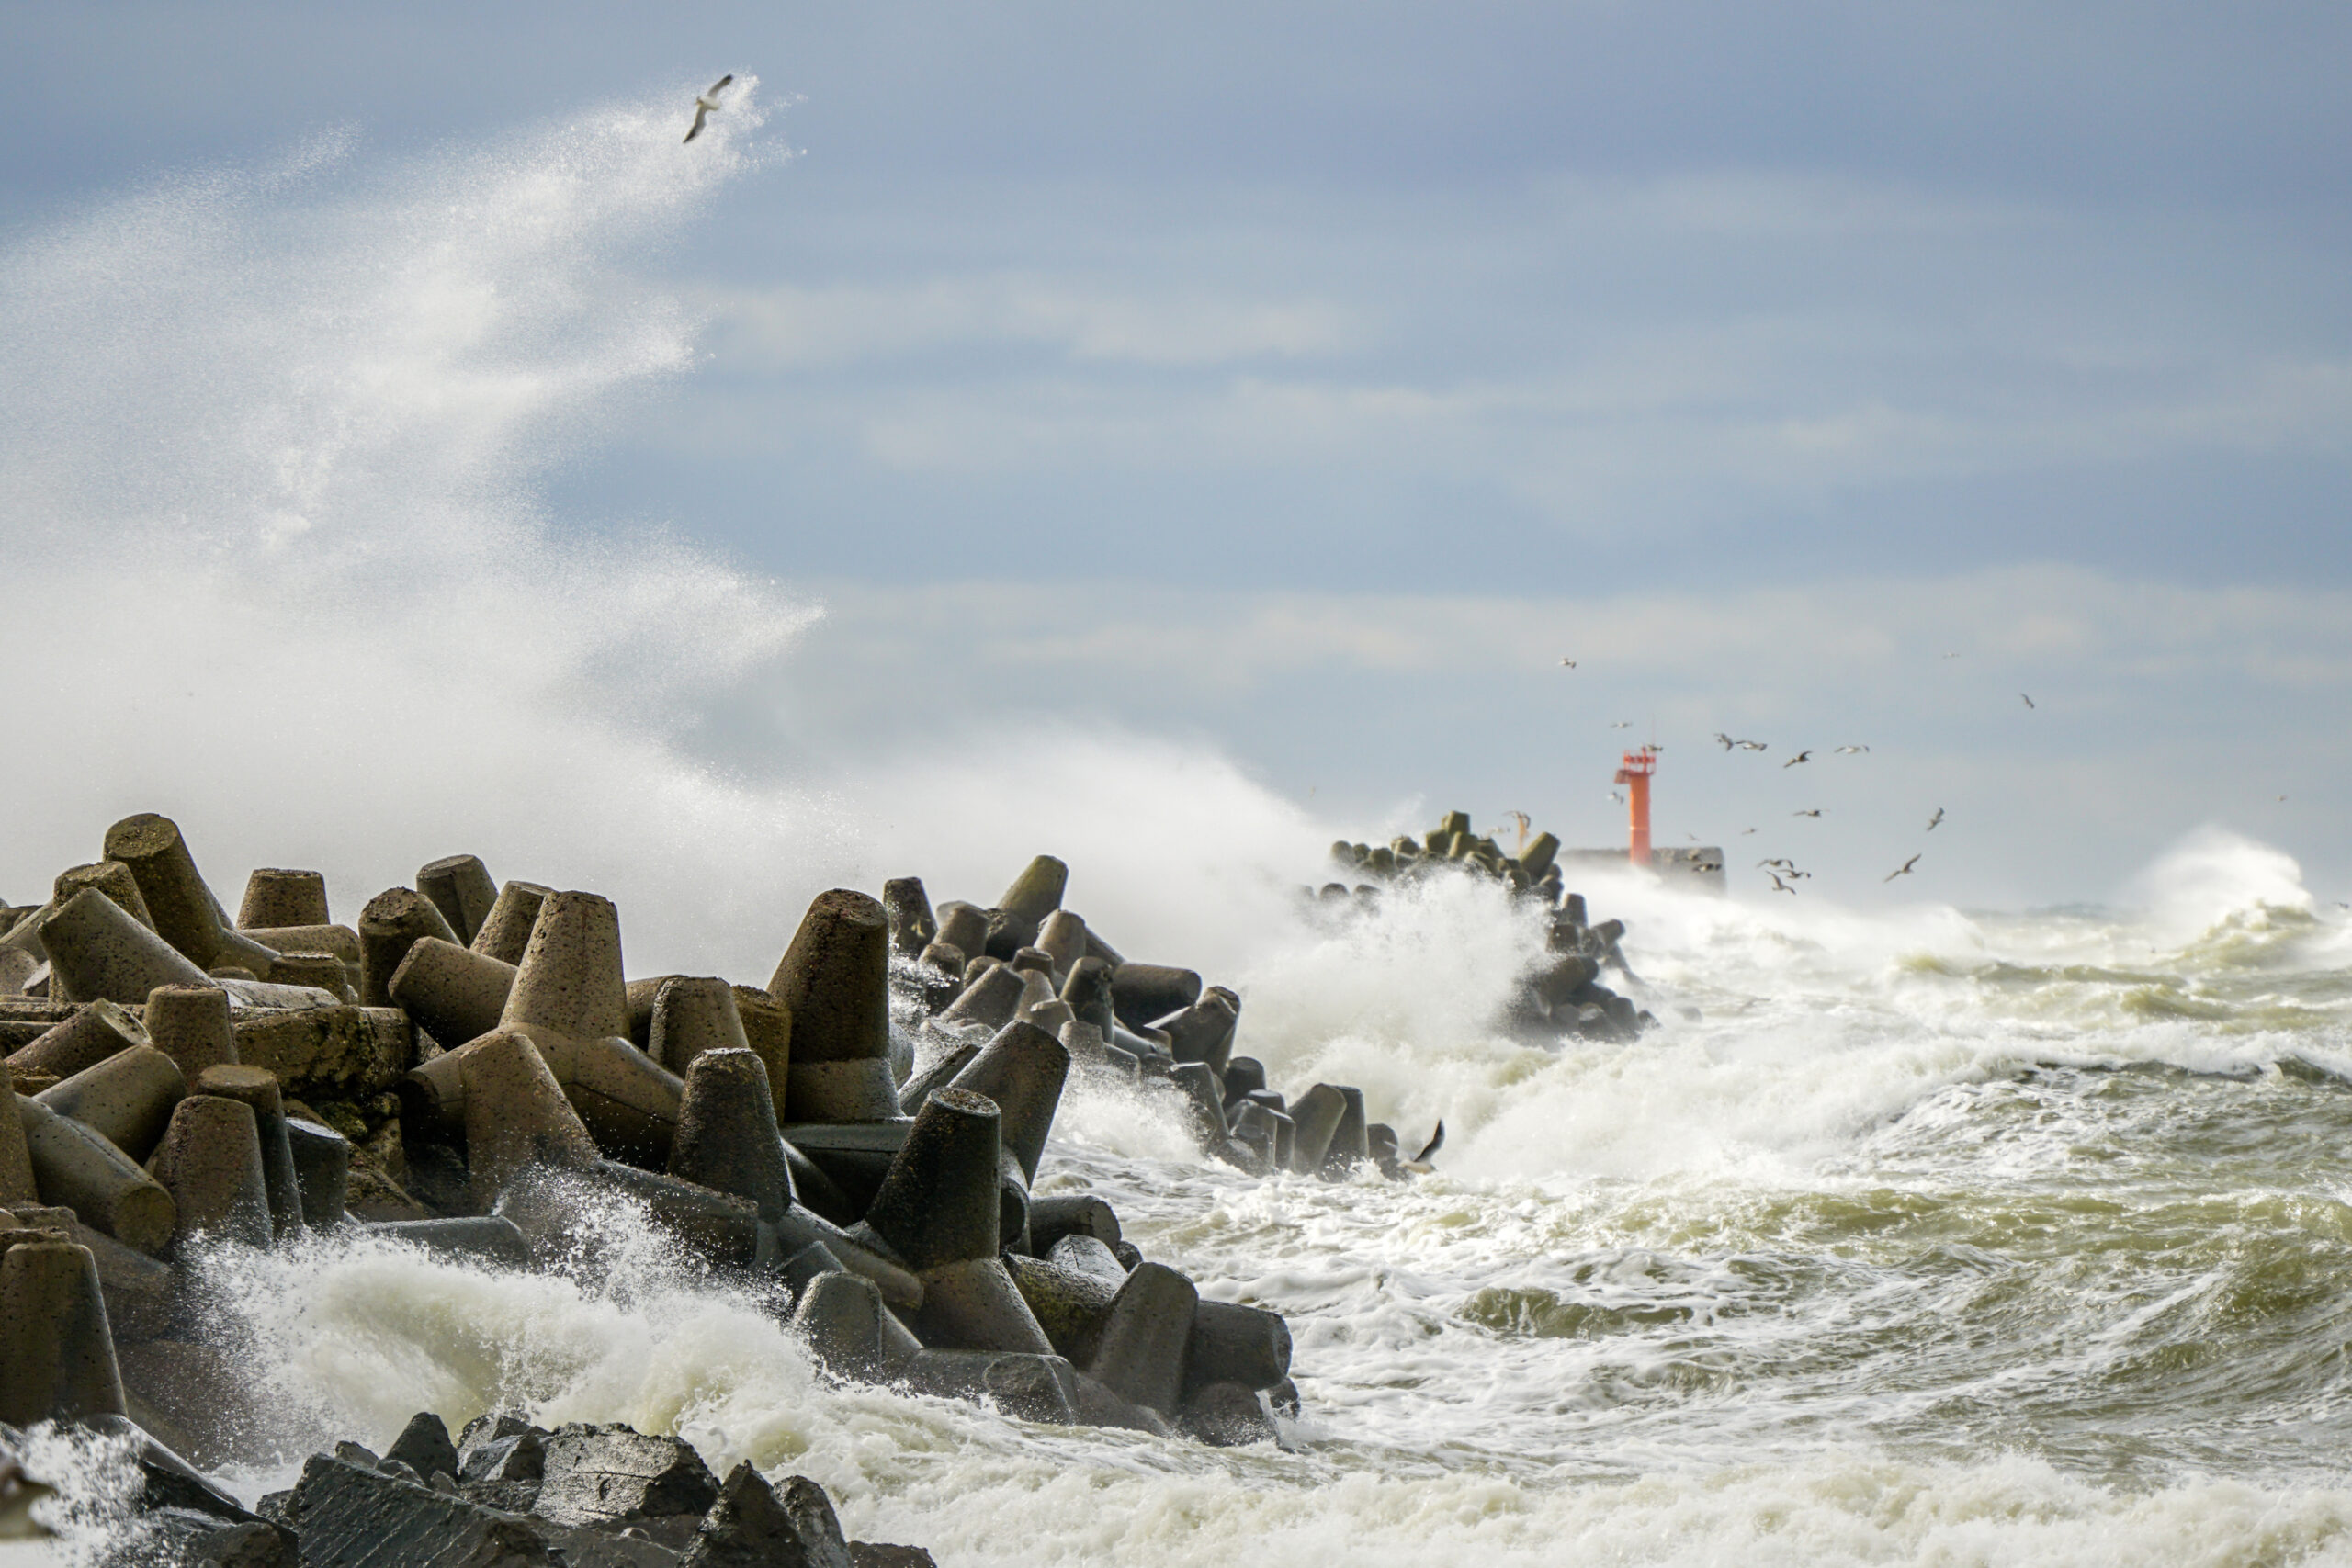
(97,951)
(974,1305)
(127,1100)
(191,1024)
(767,1029)
(1141,1356)
(460,888)
(908,908)
(256,1088)
(393,921)
(1070,1304)
(1035,894)
(1070,1214)
(939,1075)
(1317,1115)
(625,1101)
(1062,938)
(1236,1344)
(1087,989)
(321,1170)
(96,1031)
(938,1203)
(1204,1032)
(111,878)
(834,980)
(57,1356)
(453,993)
(691,1016)
(16,1188)
(570,978)
(1350,1143)
(964,927)
(1142,994)
(276,897)
(185,913)
(505,932)
(990,1000)
(726,1136)
(211,1163)
(1023,1070)
(1204,1103)
(75,1168)
(516,1115)
(848,1329)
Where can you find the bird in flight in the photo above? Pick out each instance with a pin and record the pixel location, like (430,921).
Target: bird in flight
(705,102)
(2028,700)
(1778,886)
(1938,817)
(1617,796)
(1784,863)
(1567,664)
(1621,724)
(1815,812)
(1851,750)
(1951,656)
(1727,743)
(1745,831)
(1903,870)
(1800,757)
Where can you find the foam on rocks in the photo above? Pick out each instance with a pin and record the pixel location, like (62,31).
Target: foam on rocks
(468,1069)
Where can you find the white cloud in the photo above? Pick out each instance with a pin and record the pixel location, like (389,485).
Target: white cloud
(792,328)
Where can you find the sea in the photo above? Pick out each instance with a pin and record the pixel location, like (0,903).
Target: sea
(1910,1233)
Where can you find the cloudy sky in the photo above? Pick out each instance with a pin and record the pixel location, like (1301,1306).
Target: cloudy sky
(1301,383)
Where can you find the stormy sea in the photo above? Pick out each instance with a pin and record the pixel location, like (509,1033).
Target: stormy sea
(1913,1235)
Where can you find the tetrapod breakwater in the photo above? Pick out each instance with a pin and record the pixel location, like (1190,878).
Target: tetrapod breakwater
(468,1068)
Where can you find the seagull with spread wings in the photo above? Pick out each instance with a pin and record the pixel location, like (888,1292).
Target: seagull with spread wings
(705,102)
(1903,870)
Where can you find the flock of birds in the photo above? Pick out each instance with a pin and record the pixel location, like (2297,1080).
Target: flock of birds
(1784,873)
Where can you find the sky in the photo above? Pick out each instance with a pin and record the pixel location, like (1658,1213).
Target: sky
(1300,385)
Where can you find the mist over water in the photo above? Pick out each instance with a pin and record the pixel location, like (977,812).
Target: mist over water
(1914,1235)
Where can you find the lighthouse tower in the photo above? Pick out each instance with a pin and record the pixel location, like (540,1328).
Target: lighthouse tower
(1635,776)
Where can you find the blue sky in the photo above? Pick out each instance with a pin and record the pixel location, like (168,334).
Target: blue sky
(1300,383)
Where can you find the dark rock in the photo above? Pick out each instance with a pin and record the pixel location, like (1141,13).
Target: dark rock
(754,1526)
(350,1516)
(882,1554)
(182,1537)
(598,1475)
(425,1446)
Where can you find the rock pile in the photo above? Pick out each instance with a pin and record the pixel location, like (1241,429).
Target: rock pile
(468,1068)
(1564,995)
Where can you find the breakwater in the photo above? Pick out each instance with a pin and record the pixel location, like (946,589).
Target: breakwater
(468,1069)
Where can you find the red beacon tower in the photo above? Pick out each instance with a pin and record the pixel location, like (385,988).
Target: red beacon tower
(1635,775)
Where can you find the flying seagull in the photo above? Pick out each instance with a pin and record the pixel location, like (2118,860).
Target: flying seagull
(2028,700)
(1935,819)
(1778,886)
(1903,870)
(705,102)
(1621,724)
(1784,865)
(1745,831)
(1753,746)
(1815,812)
(1851,750)
(1420,1164)
(1567,664)
(1800,757)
